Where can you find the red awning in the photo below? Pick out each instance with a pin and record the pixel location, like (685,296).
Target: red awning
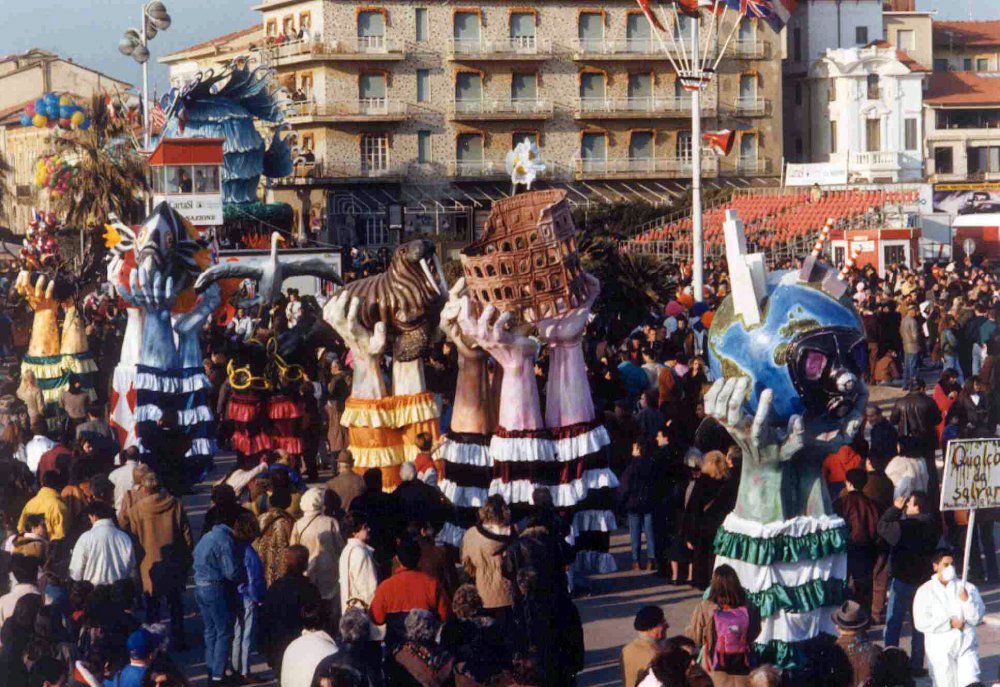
(187,151)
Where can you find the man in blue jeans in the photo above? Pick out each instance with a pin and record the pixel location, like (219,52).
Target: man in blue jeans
(912,534)
(218,570)
(635,496)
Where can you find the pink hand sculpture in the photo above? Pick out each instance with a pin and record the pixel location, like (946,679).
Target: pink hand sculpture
(471,412)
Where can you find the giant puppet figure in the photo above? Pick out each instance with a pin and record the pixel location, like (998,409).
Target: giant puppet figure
(119,238)
(789,351)
(53,356)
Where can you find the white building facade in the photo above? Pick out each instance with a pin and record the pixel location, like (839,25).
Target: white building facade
(868,104)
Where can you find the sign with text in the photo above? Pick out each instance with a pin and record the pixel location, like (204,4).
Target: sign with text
(817,173)
(971,475)
(200,209)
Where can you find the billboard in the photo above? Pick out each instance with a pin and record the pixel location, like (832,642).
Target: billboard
(821,173)
(971,475)
(200,209)
(967,199)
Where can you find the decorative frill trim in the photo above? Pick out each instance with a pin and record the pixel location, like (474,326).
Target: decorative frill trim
(801,599)
(42,370)
(79,363)
(377,457)
(573,447)
(522,449)
(202,447)
(601,478)
(291,445)
(595,563)
(243,412)
(52,396)
(519,491)
(169,383)
(185,417)
(791,656)
(450,534)
(477,455)
(123,377)
(250,445)
(594,521)
(796,627)
(760,578)
(392,411)
(284,409)
(463,497)
(40,360)
(803,538)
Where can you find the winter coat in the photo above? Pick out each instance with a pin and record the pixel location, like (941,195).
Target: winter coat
(636,487)
(483,550)
(163,540)
(276,534)
(321,535)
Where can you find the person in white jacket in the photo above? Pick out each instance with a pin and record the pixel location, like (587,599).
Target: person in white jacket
(357,565)
(947,611)
(305,653)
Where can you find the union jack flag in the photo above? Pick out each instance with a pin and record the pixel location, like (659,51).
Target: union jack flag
(756,8)
(775,12)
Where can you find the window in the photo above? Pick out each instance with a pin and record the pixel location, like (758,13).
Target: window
(305,22)
(593,150)
(523,87)
(748,90)
(640,91)
(374,152)
(592,86)
(797,44)
(466,26)
(861,35)
(637,35)
(684,145)
(944,160)
(873,89)
(640,145)
(967,64)
(469,150)
(984,160)
(423,147)
(371,90)
(590,30)
(423,85)
(894,255)
(833,136)
(748,148)
(798,93)
(420,15)
(746,31)
(519,136)
(979,118)
(288,25)
(910,133)
(272,28)
(982,64)
(832,96)
(522,29)
(371,29)
(186,179)
(683,28)
(376,231)
(468,86)
(906,39)
(873,135)
(306,86)
(940,64)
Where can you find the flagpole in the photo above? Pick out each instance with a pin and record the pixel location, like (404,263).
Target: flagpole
(698,248)
(145,86)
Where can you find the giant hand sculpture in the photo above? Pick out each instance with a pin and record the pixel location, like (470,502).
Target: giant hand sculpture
(367,347)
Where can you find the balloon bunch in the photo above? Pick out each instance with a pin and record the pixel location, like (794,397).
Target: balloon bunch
(53,110)
(39,249)
(54,173)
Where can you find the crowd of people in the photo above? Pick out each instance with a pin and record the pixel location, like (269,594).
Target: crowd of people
(333,582)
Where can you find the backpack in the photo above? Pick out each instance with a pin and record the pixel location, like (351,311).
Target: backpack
(732,641)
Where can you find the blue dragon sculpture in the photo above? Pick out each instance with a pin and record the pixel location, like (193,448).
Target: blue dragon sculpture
(225,105)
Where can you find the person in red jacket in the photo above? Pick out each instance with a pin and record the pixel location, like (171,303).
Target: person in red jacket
(407,589)
(835,468)
(861,515)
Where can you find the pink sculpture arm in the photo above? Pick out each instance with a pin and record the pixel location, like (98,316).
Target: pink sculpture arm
(567,397)
(471,411)
(516,353)
(366,347)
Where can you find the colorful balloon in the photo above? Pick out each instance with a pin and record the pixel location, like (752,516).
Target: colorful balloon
(40,120)
(76,119)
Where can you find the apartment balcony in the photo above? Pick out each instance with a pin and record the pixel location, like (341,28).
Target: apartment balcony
(751,107)
(362,110)
(640,108)
(751,167)
(319,173)
(644,168)
(646,49)
(477,169)
(748,50)
(358,49)
(879,165)
(512,49)
(486,110)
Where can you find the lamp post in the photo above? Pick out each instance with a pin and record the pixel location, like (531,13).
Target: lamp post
(135,44)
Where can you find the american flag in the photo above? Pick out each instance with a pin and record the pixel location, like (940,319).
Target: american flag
(157,117)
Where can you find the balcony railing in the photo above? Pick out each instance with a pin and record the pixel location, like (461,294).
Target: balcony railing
(747,50)
(476,169)
(629,48)
(876,161)
(671,106)
(513,47)
(751,166)
(307,172)
(751,107)
(501,107)
(362,107)
(665,167)
(374,46)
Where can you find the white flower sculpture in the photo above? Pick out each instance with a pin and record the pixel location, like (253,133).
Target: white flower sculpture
(524,163)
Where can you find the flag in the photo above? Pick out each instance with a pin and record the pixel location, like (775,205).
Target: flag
(689,8)
(775,12)
(720,142)
(157,117)
(651,16)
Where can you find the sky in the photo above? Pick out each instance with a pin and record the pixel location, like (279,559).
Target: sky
(88,30)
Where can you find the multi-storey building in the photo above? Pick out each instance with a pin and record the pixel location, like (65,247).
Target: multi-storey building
(869,109)
(411,106)
(967,46)
(213,54)
(816,27)
(24,78)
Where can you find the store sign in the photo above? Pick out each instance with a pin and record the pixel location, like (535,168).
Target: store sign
(201,209)
(819,173)
(971,475)
(863,246)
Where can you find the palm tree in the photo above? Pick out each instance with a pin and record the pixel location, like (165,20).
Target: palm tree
(111,175)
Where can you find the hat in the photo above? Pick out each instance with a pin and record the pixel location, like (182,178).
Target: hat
(648,617)
(141,643)
(851,616)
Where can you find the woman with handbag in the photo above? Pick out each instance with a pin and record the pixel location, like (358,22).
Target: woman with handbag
(357,565)
(482,552)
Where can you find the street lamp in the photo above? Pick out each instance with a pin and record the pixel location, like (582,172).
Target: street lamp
(135,43)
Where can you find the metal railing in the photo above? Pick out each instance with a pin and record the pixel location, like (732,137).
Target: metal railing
(679,106)
(747,50)
(513,46)
(372,107)
(343,170)
(751,165)
(514,106)
(751,107)
(361,45)
(629,46)
(875,160)
(476,169)
(662,166)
